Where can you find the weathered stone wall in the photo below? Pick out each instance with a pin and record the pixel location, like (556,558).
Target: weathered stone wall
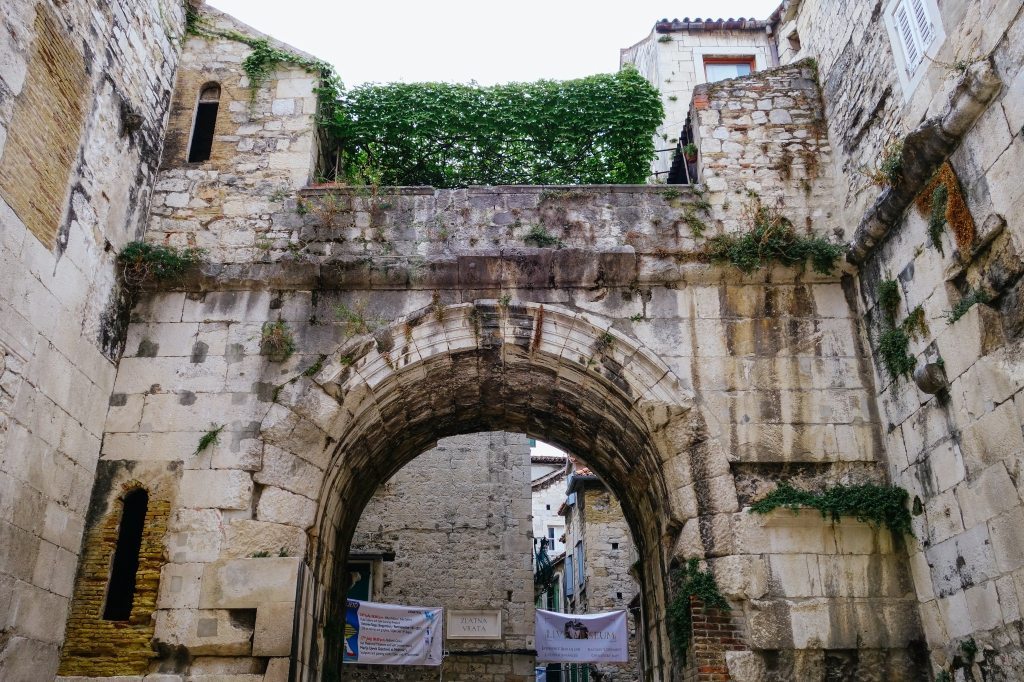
(733,382)
(84,91)
(763,138)
(264,147)
(865,104)
(780,368)
(957,450)
(467,548)
(673,61)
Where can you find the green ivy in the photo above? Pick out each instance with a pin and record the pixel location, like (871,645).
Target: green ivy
(889,297)
(878,505)
(772,238)
(893,346)
(598,129)
(690,581)
(193,19)
(966,303)
(264,58)
(937,219)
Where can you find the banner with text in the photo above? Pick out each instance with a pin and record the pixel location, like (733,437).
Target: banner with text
(386,634)
(581,638)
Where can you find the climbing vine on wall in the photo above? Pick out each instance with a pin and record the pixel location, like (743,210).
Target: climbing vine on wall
(597,129)
(894,341)
(690,581)
(875,504)
(264,58)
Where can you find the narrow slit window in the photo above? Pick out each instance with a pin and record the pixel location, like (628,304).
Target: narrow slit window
(121,588)
(205,122)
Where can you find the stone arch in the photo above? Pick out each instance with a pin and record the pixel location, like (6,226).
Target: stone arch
(558,375)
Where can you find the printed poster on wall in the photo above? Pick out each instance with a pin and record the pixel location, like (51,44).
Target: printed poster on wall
(388,634)
(581,638)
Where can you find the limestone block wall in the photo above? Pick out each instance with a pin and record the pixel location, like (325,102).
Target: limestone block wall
(236,533)
(779,366)
(763,138)
(865,104)
(84,91)
(469,548)
(672,58)
(956,450)
(609,553)
(819,600)
(264,147)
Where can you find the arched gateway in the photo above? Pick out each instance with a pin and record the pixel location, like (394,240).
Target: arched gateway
(259,406)
(543,370)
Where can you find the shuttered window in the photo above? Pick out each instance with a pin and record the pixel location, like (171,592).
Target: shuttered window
(923,22)
(916,29)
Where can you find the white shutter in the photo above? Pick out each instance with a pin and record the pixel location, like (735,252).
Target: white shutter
(907,37)
(924,23)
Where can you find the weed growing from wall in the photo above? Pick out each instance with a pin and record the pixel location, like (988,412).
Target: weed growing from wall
(541,238)
(893,347)
(315,368)
(874,504)
(354,320)
(690,581)
(697,226)
(772,239)
(916,325)
(141,261)
(277,340)
(211,437)
(966,303)
(937,217)
(894,343)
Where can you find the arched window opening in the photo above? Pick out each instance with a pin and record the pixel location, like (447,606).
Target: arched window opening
(205,121)
(121,588)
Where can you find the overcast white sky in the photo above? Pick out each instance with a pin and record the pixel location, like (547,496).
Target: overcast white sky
(484,40)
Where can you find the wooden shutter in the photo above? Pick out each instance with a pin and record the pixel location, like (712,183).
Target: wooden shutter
(924,23)
(907,37)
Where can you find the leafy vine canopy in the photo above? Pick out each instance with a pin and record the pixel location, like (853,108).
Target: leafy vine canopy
(593,130)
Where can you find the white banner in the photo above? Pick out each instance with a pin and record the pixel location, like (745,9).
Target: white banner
(582,638)
(386,634)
